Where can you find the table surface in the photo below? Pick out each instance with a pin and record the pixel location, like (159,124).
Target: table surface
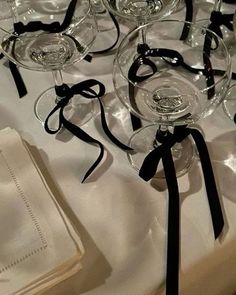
(121,218)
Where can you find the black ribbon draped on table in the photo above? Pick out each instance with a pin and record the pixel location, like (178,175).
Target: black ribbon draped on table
(163,152)
(86,90)
(19,82)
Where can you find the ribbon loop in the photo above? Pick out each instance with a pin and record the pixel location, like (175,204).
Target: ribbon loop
(84,88)
(219,19)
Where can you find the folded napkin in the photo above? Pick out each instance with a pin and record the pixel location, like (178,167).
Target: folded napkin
(38,245)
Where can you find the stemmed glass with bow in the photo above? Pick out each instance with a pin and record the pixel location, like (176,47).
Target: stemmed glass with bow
(169,83)
(172,84)
(51,40)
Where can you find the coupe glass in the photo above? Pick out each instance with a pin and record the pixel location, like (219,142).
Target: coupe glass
(47,51)
(141,10)
(172,95)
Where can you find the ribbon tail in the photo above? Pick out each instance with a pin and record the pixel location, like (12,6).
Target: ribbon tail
(188,18)
(20,85)
(212,194)
(150,164)
(78,132)
(172,272)
(116,24)
(108,132)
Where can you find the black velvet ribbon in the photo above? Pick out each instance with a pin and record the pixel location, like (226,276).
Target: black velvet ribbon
(173,58)
(19,82)
(188,18)
(230,1)
(217,20)
(116,24)
(148,171)
(85,89)
(163,152)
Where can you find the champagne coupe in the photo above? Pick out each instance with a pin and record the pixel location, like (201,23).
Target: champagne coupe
(172,88)
(42,50)
(141,11)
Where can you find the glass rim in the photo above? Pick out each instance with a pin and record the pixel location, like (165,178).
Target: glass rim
(136,30)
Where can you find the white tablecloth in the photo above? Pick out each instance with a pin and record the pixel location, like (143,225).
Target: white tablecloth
(121,218)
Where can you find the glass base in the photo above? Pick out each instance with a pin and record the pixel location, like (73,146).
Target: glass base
(229,104)
(143,142)
(78,111)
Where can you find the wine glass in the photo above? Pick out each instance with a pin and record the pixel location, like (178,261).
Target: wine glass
(141,11)
(44,50)
(169,83)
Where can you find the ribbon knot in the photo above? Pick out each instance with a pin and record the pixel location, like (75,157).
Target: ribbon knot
(64,91)
(218,19)
(85,89)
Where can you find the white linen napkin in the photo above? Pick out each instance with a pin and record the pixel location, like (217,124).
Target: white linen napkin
(38,245)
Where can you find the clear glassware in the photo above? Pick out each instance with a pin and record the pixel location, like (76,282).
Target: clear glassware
(8,8)
(48,51)
(171,95)
(141,10)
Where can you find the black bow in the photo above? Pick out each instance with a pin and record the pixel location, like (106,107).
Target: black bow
(219,19)
(148,171)
(86,90)
(150,164)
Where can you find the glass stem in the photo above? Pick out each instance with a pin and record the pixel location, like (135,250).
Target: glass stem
(58,80)
(142,32)
(217,6)
(13,9)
